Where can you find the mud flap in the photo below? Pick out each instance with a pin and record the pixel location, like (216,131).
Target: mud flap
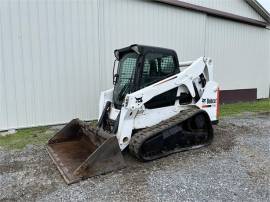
(80,151)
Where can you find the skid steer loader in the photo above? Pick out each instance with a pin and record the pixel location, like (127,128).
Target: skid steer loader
(154,110)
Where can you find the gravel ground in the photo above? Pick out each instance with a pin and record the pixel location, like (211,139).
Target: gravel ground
(236,167)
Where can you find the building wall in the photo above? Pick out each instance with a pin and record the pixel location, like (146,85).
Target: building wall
(269,63)
(49,62)
(56,56)
(240,53)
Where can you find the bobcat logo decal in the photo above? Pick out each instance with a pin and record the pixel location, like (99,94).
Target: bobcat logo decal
(138,100)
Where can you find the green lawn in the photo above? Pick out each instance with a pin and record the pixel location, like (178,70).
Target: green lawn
(40,135)
(238,108)
(34,136)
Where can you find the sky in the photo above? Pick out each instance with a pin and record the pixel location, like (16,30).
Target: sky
(265,4)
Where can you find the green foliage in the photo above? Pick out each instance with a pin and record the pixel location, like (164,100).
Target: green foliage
(237,108)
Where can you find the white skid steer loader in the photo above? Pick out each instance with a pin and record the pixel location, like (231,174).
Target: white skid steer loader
(154,110)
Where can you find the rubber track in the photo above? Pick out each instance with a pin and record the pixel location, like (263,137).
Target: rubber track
(140,137)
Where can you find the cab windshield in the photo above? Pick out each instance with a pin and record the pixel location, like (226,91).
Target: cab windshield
(126,73)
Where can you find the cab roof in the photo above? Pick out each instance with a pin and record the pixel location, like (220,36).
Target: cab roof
(142,50)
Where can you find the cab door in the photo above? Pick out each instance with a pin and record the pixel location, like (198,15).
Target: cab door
(156,67)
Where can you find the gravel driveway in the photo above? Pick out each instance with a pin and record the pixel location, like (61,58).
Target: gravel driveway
(235,167)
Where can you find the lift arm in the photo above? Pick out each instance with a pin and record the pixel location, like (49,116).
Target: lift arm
(136,100)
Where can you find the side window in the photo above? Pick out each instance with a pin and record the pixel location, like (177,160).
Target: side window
(167,65)
(157,67)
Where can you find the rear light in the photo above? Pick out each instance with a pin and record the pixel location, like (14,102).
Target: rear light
(218,104)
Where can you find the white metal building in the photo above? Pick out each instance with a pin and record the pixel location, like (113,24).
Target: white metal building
(57,55)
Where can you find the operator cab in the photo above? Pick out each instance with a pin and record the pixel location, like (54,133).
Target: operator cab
(140,66)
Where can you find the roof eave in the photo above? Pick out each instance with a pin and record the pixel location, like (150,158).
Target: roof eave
(216,13)
(259,9)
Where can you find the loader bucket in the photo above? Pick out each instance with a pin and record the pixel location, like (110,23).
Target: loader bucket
(80,151)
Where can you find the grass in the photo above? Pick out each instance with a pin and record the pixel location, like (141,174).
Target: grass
(40,135)
(238,108)
(34,136)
